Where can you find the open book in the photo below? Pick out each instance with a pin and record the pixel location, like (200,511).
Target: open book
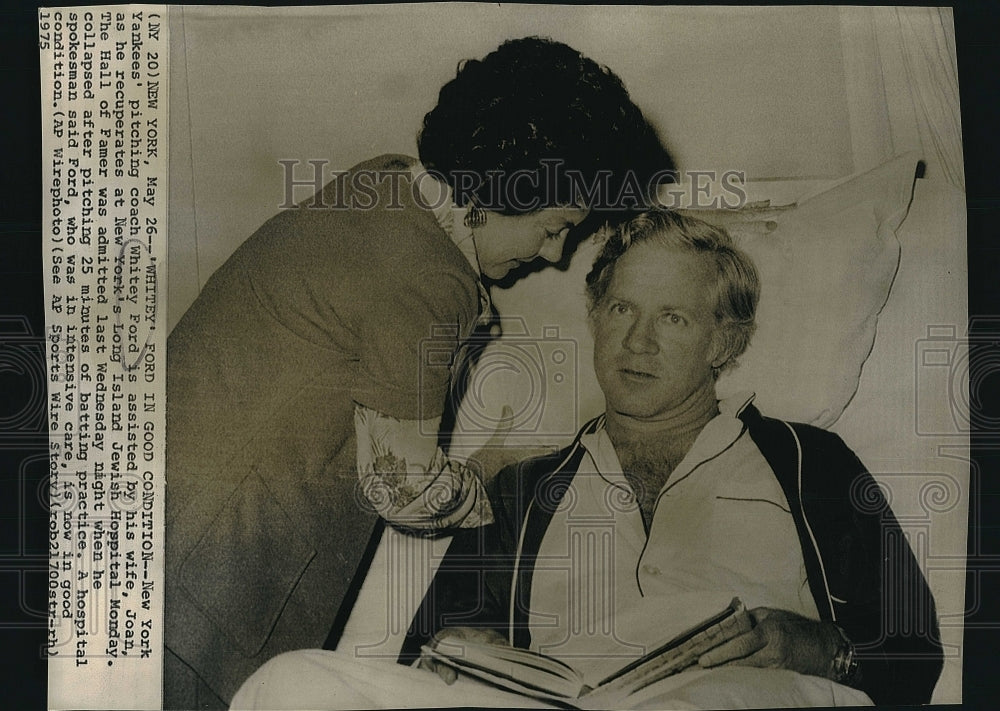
(540,676)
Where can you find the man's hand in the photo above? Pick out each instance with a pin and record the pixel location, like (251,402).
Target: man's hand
(780,639)
(455,636)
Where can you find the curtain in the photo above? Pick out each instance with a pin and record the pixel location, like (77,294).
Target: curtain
(901,72)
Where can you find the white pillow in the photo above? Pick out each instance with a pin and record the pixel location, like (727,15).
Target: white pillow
(826,272)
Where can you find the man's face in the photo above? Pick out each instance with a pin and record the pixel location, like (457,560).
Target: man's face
(653,331)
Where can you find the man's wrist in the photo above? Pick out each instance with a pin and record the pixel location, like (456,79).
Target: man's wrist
(844,665)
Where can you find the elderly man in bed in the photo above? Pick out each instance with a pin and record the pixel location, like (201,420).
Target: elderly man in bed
(661,511)
(673,501)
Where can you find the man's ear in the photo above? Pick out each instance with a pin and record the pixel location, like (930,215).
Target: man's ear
(721,352)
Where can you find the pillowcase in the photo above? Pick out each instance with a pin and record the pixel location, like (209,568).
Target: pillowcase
(826,272)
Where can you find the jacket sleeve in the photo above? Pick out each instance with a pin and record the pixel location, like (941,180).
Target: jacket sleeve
(879,594)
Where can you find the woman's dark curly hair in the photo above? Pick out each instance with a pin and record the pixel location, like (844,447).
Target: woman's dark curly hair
(536,124)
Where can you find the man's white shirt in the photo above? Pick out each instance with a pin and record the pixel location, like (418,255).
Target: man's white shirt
(603,592)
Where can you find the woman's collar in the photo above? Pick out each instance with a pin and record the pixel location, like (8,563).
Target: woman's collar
(436,196)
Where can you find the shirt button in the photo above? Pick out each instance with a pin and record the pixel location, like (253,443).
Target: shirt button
(650,569)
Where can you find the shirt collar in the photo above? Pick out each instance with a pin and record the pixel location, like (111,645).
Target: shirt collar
(718,434)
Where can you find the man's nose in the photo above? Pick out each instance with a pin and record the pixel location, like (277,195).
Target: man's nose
(641,337)
(552,248)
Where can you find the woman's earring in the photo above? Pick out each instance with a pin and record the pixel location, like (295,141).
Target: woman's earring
(475,217)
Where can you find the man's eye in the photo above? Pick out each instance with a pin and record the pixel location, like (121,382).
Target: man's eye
(619,308)
(674,319)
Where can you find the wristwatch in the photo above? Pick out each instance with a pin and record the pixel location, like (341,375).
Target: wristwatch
(844,667)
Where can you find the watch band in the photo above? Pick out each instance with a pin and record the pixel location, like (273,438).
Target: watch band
(844,667)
